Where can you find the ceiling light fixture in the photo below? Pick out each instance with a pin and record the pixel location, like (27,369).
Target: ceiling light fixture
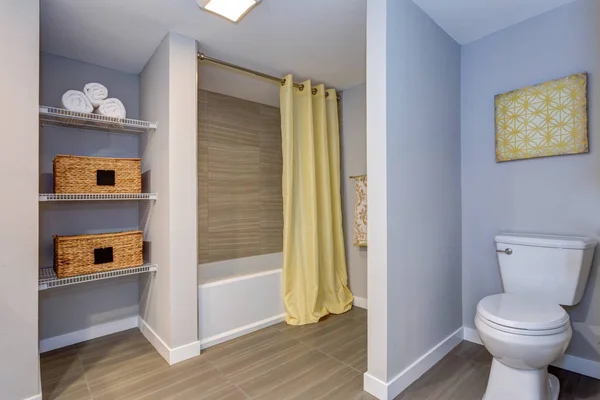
(233,10)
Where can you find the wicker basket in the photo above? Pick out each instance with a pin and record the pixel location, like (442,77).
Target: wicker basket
(89,254)
(73,174)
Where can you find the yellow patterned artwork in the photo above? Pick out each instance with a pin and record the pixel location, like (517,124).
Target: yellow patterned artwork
(360,211)
(544,120)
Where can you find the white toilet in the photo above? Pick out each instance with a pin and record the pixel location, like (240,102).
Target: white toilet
(525,328)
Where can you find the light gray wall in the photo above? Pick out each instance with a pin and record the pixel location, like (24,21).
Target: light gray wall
(169,299)
(353,144)
(377,272)
(78,307)
(19,71)
(423,184)
(154,96)
(559,194)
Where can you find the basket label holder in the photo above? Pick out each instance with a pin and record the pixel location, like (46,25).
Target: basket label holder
(103,255)
(105,177)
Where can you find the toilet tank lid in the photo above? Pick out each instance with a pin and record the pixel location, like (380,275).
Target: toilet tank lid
(543,240)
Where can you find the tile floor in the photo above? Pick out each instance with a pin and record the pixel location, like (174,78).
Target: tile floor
(463,374)
(314,362)
(324,361)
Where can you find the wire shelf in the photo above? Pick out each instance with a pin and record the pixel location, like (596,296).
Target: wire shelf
(72,119)
(48,278)
(97,196)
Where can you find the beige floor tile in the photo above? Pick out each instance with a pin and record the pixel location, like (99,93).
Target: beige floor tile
(587,389)
(297,382)
(120,371)
(286,376)
(334,334)
(341,387)
(303,330)
(321,361)
(60,364)
(117,345)
(244,343)
(147,384)
(450,379)
(357,312)
(78,395)
(259,367)
(352,352)
(70,387)
(211,384)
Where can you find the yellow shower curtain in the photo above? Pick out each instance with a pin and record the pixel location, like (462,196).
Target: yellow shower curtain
(315,282)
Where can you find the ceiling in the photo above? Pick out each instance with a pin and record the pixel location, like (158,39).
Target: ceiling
(470,20)
(319,39)
(323,40)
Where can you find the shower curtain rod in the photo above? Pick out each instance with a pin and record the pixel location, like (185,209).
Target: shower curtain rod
(204,57)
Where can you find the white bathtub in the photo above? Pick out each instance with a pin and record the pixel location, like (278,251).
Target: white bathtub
(238,297)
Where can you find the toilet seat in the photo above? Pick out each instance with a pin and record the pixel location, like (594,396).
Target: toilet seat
(523,315)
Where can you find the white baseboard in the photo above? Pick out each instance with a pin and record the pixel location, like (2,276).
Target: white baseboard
(391,389)
(36,397)
(241,331)
(172,356)
(360,302)
(185,352)
(570,363)
(92,332)
(580,365)
(375,387)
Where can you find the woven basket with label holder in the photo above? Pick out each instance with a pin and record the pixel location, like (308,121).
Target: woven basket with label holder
(75,174)
(90,254)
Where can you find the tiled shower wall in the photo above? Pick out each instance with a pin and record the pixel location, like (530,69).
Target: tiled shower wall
(240,209)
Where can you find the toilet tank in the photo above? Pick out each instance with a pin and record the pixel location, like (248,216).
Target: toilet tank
(553,267)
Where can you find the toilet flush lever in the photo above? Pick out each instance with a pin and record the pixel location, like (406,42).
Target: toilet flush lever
(506,251)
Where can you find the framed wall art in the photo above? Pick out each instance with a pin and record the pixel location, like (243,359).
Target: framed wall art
(550,119)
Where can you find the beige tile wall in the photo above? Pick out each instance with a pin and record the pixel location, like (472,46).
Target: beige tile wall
(240,209)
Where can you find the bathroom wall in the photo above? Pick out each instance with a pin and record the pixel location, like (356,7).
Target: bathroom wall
(169,298)
(354,162)
(73,308)
(413,156)
(423,203)
(239,178)
(559,194)
(19,363)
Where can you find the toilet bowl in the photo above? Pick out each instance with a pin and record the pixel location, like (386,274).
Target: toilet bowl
(524,334)
(526,329)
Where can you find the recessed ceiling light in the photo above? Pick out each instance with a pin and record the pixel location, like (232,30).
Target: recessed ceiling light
(233,10)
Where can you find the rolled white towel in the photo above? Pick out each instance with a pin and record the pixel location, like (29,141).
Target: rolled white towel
(96,93)
(111,108)
(74,100)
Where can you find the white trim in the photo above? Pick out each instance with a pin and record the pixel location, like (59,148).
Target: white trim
(172,356)
(388,391)
(92,332)
(360,302)
(185,352)
(155,340)
(471,335)
(36,397)
(241,331)
(582,366)
(570,363)
(240,278)
(375,387)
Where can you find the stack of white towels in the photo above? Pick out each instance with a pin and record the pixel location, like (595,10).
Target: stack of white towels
(94,98)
